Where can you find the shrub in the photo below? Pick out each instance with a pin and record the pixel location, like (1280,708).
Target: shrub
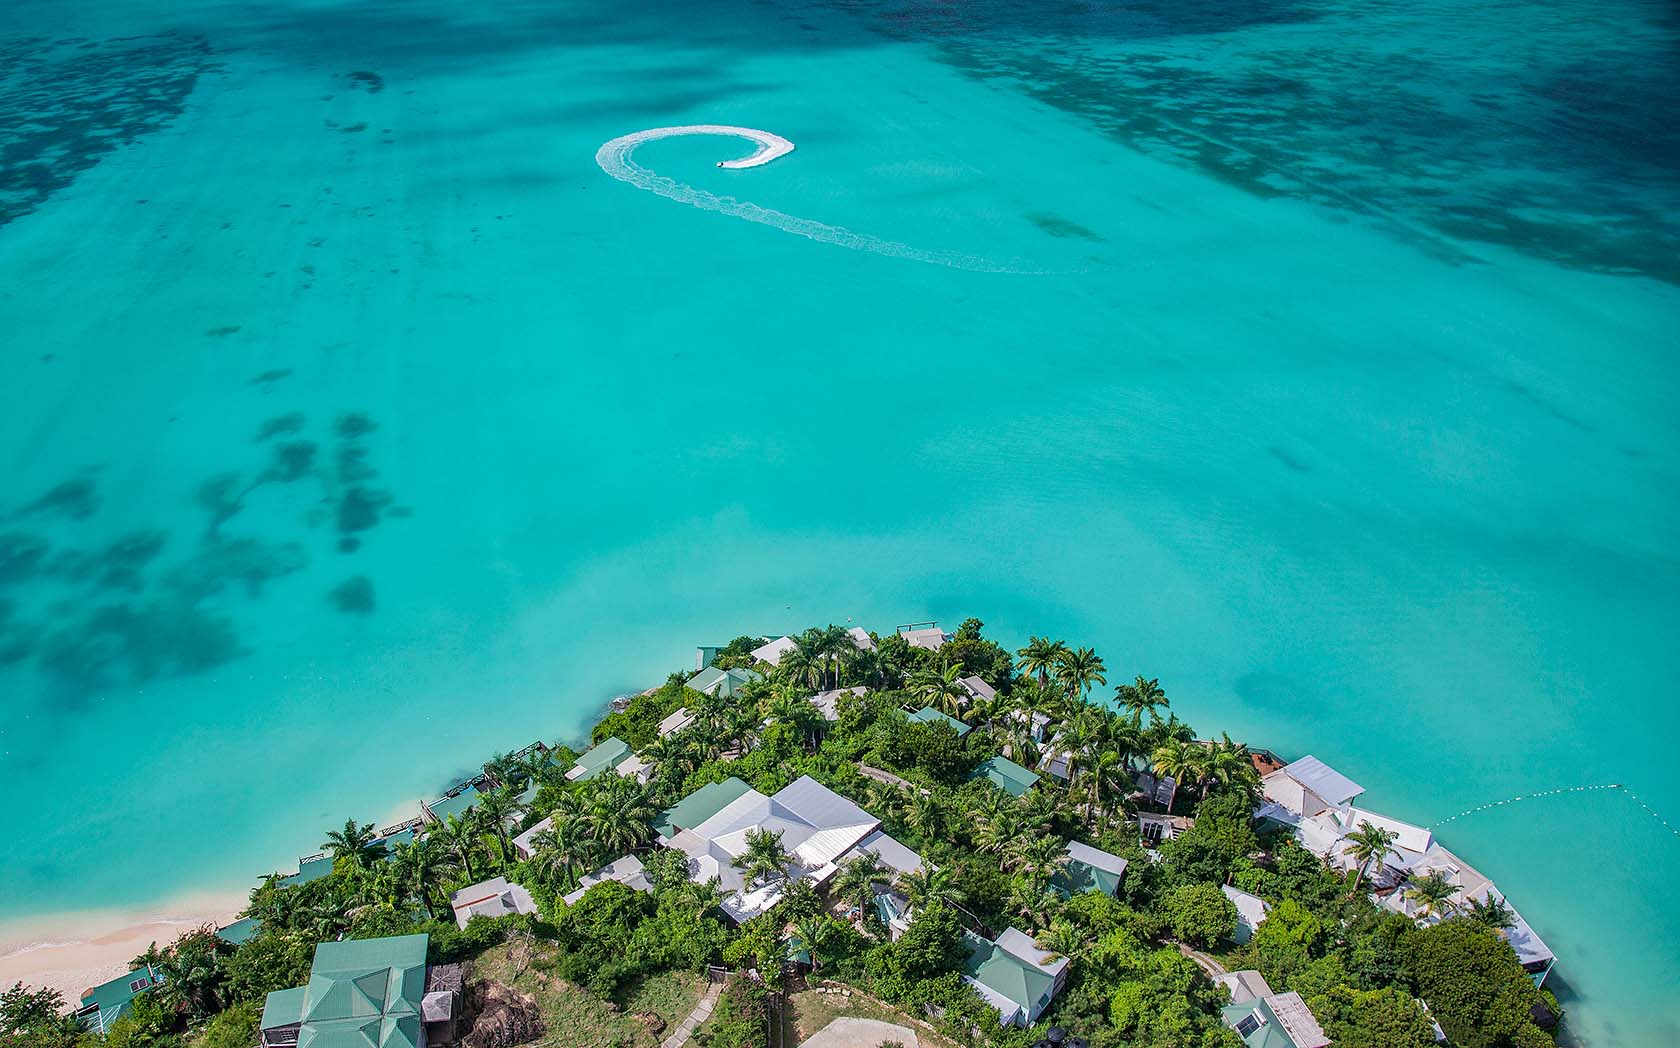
(1199,914)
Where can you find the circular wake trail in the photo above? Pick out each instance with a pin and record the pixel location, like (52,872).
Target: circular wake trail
(615,159)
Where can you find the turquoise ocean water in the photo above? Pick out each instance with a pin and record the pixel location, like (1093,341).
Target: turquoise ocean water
(355,424)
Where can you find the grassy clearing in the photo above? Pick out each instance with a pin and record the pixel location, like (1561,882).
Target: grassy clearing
(811,1011)
(576,1018)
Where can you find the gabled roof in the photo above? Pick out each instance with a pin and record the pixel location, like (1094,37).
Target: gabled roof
(933,638)
(239,931)
(893,854)
(599,758)
(714,681)
(700,805)
(1317,776)
(105,1004)
(1008,776)
(1412,838)
(1009,970)
(1090,869)
(774,650)
(1245,985)
(861,638)
(978,688)
(492,898)
(677,721)
(929,715)
(626,870)
(1251,909)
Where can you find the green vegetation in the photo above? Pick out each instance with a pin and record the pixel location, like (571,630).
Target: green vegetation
(994,861)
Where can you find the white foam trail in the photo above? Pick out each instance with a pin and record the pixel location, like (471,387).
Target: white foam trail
(614,157)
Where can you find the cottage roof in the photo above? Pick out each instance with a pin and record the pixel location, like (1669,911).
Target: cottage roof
(608,753)
(1325,781)
(1008,776)
(700,805)
(929,715)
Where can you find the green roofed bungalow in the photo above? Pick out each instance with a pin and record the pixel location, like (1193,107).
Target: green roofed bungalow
(110,1001)
(1013,975)
(713,681)
(609,754)
(701,805)
(1089,869)
(367,993)
(310,869)
(239,931)
(929,715)
(1006,775)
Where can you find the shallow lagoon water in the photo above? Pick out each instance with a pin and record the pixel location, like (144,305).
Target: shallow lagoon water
(357,425)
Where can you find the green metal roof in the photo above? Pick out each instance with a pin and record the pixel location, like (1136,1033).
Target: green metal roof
(1007,975)
(1008,776)
(700,805)
(309,870)
(283,1007)
(239,931)
(444,807)
(113,998)
(1270,1033)
(362,993)
(1083,877)
(722,682)
(609,754)
(929,715)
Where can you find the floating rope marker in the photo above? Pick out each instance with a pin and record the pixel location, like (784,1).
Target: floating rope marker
(1652,812)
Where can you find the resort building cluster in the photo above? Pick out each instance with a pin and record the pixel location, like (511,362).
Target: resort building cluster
(381,993)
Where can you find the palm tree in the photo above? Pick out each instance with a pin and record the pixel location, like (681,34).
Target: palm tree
(943,690)
(837,649)
(765,858)
(994,834)
(1040,657)
(814,933)
(927,885)
(1432,893)
(926,815)
(856,881)
(1143,695)
(355,842)
(1366,845)
(1061,939)
(459,838)
(1040,810)
(498,808)
(1035,901)
(1179,761)
(557,854)
(1107,785)
(617,814)
(1038,859)
(1492,912)
(424,866)
(1078,671)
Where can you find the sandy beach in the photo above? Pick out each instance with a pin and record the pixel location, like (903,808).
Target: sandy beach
(73,951)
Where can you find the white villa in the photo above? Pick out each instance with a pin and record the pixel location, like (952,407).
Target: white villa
(924,635)
(626,871)
(492,898)
(1251,912)
(820,829)
(1316,802)
(828,702)
(675,722)
(772,651)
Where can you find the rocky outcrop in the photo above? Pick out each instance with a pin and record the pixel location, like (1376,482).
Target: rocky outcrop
(499,1016)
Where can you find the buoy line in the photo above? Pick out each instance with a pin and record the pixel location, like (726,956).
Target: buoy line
(614,157)
(1652,812)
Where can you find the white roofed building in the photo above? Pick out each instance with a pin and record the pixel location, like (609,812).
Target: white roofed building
(828,702)
(818,828)
(492,898)
(1473,886)
(626,871)
(924,635)
(1308,787)
(773,651)
(1251,912)
(676,722)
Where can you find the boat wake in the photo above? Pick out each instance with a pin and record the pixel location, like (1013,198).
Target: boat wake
(615,158)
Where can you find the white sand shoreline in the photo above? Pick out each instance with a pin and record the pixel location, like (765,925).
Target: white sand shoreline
(73,950)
